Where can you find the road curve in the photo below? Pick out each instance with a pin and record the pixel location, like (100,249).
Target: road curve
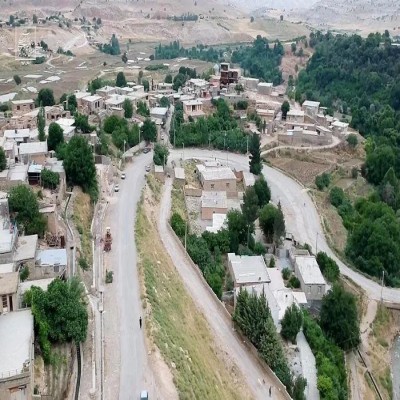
(218,321)
(301,216)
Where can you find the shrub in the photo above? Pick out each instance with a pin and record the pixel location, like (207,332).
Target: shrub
(178,225)
(294,282)
(322,181)
(286,272)
(336,196)
(328,267)
(83,264)
(109,276)
(291,323)
(49,179)
(24,274)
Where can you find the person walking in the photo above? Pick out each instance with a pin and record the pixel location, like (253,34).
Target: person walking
(270,391)
(140,322)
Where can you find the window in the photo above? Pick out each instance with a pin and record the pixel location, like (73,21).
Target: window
(309,289)
(319,289)
(5,303)
(227,185)
(18,107)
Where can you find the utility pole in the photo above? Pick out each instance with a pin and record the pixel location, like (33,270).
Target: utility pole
(124,145)
(183,146)
(383,278)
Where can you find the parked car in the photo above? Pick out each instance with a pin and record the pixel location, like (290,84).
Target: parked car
(162,136)
(123,176)
(148,168)
(144,395)
(146,150)
(116,188)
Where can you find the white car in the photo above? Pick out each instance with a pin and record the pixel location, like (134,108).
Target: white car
(148,168)
(123,176)
(162,136)
(116,188)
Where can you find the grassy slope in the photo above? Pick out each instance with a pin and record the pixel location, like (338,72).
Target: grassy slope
(178,329)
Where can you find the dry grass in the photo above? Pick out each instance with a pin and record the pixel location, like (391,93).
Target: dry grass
(177,328)
(178,202)
(190,174)
(82,217)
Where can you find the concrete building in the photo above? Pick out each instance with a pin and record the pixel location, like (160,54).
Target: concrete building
(339,128)
(294,115)
(311,280)
(193,109)
(159,113)
(17,355)
(54,113)
(249,83)
(17,135)
(114,101)
(264,88)
(218,223)
(228,75)
(19,107)
(213,203)
(106,91)
(35,152)
(311,108)
(92,104)
(8,291)
(248,273)
(179,176)
(304,137)
(49,263)
(25,251)
(217,179)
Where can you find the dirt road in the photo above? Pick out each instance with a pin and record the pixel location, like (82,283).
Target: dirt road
(219,322)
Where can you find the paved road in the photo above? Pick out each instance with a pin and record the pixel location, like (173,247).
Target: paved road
(301,216)
(134,371)
(219,322)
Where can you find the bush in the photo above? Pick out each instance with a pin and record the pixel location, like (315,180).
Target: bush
(178,225)
(49,179)
(83,264)
(286,273)
(328,267)
(352,140)
(109,276)
(354,172)
(336,196)
(294,282)
(291,323)
(322,181)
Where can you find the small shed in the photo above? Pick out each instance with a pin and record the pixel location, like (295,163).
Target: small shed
(179,176)
(159,173)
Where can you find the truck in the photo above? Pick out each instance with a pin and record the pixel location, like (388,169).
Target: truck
(107,239)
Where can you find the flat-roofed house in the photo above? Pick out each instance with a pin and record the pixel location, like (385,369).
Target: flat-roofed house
(339,128)
(311,108)
(17,135)
(17,355)
(294,115)
(8,291)
(213,203)
(106,91)
(264,88)
(92,104)
(49,263)
(311,280)
(33,152)
(193,108)
(19,107)
(217,179)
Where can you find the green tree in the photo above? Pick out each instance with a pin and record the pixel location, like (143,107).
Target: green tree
(272,222)
(140,77)
(128,108)
(279,225)
(146,85)
(285,108)
(328,267)
(24,205)
(49,179)
(72,104)
(168,78)
(45,97)
(41,123)
(149,130)
(263,191)
(178,224)
(238,229)
(339,318)
(336,196)
(124,59)
(161,153)
(82,123)
(121,80)
(255,155)
(352,140)
(17,79)
(322,181)
(142,109)
(164,102)
(55,136)
(299,386)
(79,165)
(250,205)
(3,160)
(293,47)
(291,323)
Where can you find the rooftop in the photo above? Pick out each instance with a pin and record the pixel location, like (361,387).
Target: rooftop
(296,113)
(16,133)
(41,283)
(210,174)
(192,102)
(26,248)
(18,172)
(265,84)
(179,173)
(309,103)
(214,200)
(9,283)
(115,99)
(16,102)
(339,124)
(218,222)
(4,268)
(80,95)
(51,257)
(91,99)
(16,330)
(248,269)
(309,270)
(33,148)
(65,121)
(158,111)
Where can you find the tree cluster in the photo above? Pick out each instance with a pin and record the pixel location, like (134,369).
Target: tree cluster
(60,314)
(123,134)
(49,179)
(329,268)
(110,48)
(253,317)
(272,223)
(24,208)
(260,60)
(160,155)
